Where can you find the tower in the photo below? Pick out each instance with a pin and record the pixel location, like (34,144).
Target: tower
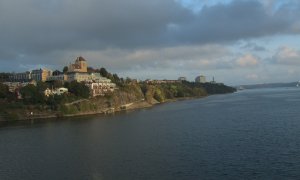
(80,65)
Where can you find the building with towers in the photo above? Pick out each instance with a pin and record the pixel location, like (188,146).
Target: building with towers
(80,65)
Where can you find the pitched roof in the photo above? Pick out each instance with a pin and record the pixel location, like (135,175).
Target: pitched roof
(80,58)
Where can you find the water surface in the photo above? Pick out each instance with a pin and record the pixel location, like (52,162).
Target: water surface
(252,134)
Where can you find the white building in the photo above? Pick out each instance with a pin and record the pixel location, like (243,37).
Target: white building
(79,77)
(58,91)
(200,79)
(86,77)
(100,88)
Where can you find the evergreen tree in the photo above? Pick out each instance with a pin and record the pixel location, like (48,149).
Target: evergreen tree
(32,95)
(3,91)
(65,70)
(78,89)
(103,72)
(4,77)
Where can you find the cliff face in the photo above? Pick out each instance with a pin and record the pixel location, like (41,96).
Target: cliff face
(121,98)
(164,92)
(128,94)
(135,96)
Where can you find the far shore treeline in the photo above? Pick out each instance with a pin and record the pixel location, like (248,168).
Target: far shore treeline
(78,101)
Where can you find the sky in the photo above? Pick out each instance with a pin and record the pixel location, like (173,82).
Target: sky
(235,41)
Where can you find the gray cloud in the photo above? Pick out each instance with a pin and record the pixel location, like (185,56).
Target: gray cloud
(253,47)
(39,26)
(287,56)
(111,33)
(239,20)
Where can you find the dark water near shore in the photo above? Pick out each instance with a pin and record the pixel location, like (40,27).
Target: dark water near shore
(251,134)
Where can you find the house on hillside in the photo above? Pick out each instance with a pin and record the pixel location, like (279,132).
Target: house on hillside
(58,91)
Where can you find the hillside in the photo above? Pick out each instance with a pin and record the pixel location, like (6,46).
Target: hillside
(129,96)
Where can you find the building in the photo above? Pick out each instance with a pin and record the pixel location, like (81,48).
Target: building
(58,91)
(99,86)
(20,77)
(14,86)
(60,77)
(85,77)
(37,75)
(80,65)
(213,81)
(149,81)
(79,77)
(4,77)
(100,89)
(48,92)
(40,74)
(57,72)
(182,79)
(200,79)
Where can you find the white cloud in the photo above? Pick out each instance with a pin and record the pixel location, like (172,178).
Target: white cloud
(252,76)
(287,55)
(247,61)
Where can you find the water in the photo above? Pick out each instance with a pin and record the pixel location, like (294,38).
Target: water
(251,134)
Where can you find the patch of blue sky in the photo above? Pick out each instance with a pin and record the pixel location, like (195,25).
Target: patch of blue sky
(197,5)
(270,43)
(277,41)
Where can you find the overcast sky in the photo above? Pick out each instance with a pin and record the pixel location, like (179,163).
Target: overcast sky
(236,41)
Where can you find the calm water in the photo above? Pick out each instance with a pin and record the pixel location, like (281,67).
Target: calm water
(251,134)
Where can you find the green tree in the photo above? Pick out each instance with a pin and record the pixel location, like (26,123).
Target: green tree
(128,80)
(110,76)
(78,89)
(55,84)
(158,95)
(3,91)
(32,95)
(56,72)
(4,77)
(54,101)
(103,72)
(116,78)
(41,86)
(65,69)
